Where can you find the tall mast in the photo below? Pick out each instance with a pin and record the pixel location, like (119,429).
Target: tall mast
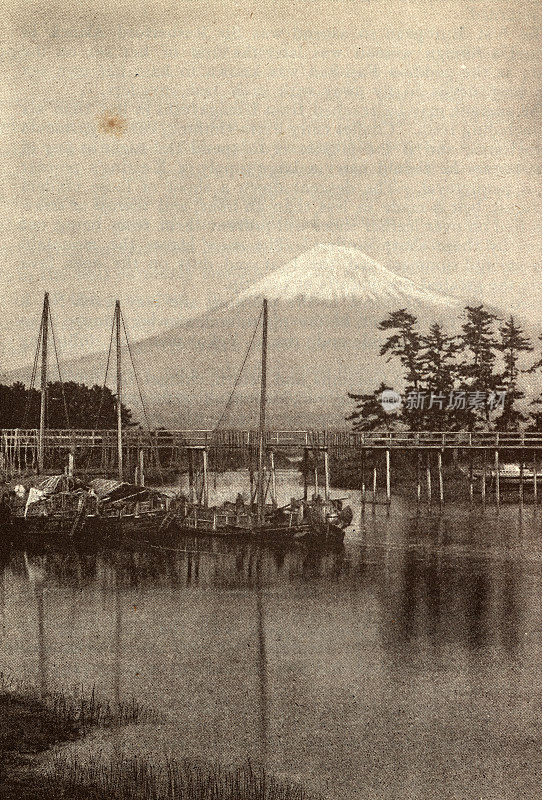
(43,406)
(263,402)
(119,391)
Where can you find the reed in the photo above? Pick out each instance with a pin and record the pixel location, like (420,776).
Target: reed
(136,778)
(83,710)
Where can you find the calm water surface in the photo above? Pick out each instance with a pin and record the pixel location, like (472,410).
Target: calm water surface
(406,666)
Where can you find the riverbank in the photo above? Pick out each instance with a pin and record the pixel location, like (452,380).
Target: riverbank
(30,726)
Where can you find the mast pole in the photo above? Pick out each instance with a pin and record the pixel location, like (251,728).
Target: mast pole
(263,402)
(119,391)
(43,406)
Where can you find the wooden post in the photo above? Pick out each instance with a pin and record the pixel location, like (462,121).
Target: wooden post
(484,476)
(273,478)
(428,476)
(497,479)
(43,404)
(440,479)
(251,475)
(374,488)
(191,484)
(363,487)
(535,478)
(521,471)
(141,469)
(419,478)
(388,478)
(326,474)
(263,402)
(471,477)
(305,473)
(119,391)
(70,464)
(205,478)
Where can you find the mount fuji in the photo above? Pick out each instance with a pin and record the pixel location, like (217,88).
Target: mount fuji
(332,274)
(324,309)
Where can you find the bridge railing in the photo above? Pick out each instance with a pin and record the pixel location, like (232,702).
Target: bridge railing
(334,439)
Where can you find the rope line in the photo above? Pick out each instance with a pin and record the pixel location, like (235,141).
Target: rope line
(59,372)
(33,376)
(102,395)
(143,406)
(232,393)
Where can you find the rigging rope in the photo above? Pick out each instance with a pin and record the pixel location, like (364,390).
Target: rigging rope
(59,373)
(143,406)
(98,415)
(33,376)
(232,393)
(230,398)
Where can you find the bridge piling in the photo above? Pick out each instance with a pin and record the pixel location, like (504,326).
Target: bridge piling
(440,479)
(535,479)
(363,487)
(388,478)
(484,476)
(418,479)
(497,480)
(428,477)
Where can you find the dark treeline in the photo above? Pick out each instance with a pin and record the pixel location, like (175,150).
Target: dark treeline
(69,405)
(468,381)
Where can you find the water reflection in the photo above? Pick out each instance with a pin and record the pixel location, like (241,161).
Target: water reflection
(382,670)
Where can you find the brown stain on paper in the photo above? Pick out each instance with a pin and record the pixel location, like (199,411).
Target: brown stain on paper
(112,123)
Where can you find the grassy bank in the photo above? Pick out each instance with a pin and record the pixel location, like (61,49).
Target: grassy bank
(30,725)
(136,778)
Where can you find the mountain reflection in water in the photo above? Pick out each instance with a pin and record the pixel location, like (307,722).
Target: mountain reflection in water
(405,666)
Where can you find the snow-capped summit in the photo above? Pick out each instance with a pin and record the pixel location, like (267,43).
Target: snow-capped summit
(334,273)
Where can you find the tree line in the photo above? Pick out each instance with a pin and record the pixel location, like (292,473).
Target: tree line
(468,381)
(69,405)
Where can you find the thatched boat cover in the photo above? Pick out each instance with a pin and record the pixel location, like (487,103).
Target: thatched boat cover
(110,490)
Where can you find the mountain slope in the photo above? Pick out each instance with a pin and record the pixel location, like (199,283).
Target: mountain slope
(332,273)
(324,309)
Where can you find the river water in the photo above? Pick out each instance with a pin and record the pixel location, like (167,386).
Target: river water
(407,665)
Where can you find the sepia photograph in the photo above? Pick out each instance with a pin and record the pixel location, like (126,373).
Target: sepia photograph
(271,400)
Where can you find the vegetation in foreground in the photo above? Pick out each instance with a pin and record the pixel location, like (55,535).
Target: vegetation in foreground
(136,778)
(31,725)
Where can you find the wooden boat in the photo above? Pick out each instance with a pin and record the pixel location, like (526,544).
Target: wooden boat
(61,505)
(510,476)
(314,521)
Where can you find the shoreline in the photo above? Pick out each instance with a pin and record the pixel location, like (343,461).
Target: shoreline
(30,727)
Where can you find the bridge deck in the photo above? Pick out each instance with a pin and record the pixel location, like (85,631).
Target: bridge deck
(287,440)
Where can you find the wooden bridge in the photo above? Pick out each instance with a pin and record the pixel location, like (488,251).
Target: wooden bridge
(18,439)
(158,451)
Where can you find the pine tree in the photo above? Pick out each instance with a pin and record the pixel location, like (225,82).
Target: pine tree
(479,379)
(440,374)
(536,414)
(369,414)
(87,407)
(513,342)
(405,344)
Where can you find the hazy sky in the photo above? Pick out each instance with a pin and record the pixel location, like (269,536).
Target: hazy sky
(171,153)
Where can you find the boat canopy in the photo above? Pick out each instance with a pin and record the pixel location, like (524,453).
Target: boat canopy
(48,485)
(111,491)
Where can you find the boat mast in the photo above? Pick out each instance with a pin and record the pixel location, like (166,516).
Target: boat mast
(263,401)
(119,390)
(43,406)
